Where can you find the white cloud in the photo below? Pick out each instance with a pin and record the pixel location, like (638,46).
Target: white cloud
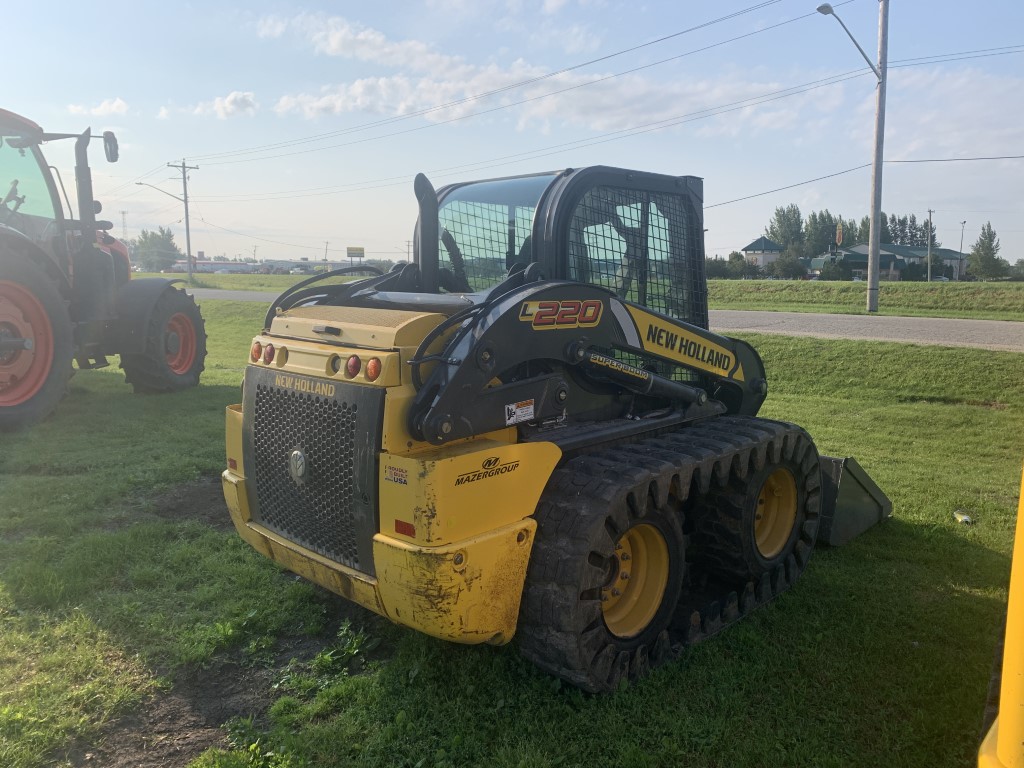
(116,106)
(163,114)
(553,6)
(234,104)
(271,26)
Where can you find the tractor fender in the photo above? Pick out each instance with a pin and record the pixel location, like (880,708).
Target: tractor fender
(15,245)
(126,333)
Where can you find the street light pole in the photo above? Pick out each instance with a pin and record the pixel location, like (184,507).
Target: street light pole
(874,245)
(188,234)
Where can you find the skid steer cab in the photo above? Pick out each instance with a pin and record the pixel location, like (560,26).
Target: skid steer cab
(531,431)
(66,292)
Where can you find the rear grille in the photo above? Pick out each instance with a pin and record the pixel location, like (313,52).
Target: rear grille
(329,506)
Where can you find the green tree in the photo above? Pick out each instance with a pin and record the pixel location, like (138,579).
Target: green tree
(788,267)
(984,262)
(786,227)
(716,268)
(864,230)
(1017,270)
(155,251)
(739,267)
(820,232)
(834,271)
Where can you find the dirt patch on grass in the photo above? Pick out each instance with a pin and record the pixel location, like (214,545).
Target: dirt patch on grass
(201,502)
(177,724)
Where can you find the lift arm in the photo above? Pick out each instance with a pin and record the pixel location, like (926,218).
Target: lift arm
(515,357)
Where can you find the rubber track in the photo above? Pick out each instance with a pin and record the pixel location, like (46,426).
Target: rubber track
(670,470)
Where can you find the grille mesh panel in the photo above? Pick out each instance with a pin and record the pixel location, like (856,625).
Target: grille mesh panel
(319,513)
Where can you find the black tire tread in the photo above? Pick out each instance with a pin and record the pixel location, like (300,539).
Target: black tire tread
(558,630)
(148,373)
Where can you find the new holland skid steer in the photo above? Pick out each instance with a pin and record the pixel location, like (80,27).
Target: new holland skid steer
(531,431)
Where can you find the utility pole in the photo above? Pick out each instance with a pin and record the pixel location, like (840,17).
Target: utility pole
(408,250)
(930,212)
(188,234)
(874,237)
(960,261)
(124,226)
(325,251)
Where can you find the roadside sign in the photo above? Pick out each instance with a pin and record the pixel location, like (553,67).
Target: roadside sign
(355,252)
(839,233)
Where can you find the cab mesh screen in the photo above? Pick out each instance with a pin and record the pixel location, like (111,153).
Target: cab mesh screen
(646,247)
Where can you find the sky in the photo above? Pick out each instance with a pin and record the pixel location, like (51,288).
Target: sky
(308,121)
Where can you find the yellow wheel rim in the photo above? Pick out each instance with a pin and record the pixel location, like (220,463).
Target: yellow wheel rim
(637,577)
(776,513)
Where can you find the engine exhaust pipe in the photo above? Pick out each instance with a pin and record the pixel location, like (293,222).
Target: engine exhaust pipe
(425,244)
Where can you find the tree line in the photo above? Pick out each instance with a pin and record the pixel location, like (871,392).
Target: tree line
(815,235)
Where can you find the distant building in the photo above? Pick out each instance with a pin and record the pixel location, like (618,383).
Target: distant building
(762,252)
(893,259)
(890,266)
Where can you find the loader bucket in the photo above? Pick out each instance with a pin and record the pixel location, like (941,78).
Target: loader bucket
(850,501)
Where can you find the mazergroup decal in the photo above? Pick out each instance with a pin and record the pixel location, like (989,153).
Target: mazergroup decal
(491,467)
(544,315)
(310,386)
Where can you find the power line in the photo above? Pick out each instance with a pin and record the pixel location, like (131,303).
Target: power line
(501,107)
(495,91)
(861,167)
(603,138)
(959,159)
(668,122)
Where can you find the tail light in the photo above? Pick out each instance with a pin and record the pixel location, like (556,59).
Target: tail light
(372,369)
(256,352)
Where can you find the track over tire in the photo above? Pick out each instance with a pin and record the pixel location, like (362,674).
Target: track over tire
(32,382)
(698,488)
(175,353)
(605,574)
(756,522)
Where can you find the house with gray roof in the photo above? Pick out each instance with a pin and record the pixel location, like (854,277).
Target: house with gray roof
(762,252)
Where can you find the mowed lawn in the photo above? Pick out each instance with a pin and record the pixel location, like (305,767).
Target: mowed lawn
(880,655)
(981,301)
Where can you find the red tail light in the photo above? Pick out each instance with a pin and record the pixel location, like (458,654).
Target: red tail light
(256,352)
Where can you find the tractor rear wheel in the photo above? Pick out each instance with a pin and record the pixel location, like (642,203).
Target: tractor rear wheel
(604,577)
(33,374)
(175,347)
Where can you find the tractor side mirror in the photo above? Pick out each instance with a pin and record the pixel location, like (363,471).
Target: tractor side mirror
(110,146)
(97,206)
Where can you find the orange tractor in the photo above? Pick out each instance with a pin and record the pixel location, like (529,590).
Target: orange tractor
(66,292)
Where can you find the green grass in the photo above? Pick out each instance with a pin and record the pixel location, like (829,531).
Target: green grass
(990,301)
(879,656)
(268,283)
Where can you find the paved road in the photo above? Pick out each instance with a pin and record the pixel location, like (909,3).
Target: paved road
(983,334)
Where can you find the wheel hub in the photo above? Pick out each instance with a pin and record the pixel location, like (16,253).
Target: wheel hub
(635,580)
(25,367)
(776,513)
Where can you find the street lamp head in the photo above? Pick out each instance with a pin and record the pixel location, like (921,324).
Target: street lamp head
(826,9)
